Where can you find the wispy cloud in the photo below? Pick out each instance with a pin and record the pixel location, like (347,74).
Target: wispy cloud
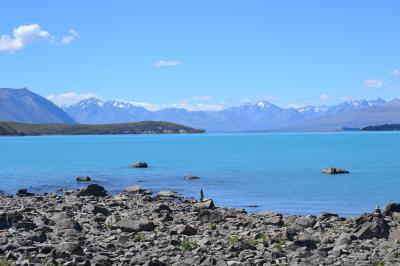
(346,98)
(70,98)
(167,63)
(374,83)
(325,97)
(25,35)
(73,35)
(395,72)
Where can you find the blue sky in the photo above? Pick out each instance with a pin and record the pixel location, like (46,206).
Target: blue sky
(202,54)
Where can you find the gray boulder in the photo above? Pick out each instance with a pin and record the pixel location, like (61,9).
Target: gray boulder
(205,204)
(24,193)
(66,224)
(66,249)
(186,230)
(93,190)
(134,189)
(306,221)
(135,225)
(210,216)
(390,208)
(97,209)
(167,194)
(370,227)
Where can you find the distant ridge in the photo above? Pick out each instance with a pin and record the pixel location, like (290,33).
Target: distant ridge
(22,105)
(144,127)
(259,116)
(386,127)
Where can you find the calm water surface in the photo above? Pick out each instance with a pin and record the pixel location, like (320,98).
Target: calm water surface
(276,171)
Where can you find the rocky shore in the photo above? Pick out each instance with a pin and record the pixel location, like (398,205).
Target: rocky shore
(92,227)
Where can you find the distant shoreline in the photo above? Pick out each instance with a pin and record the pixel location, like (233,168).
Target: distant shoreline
(143,127)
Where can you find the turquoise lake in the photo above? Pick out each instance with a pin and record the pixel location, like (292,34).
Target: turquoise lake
(275,171)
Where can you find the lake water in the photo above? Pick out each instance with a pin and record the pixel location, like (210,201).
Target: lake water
(275,171)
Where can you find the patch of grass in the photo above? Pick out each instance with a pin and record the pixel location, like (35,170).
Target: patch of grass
(139,236)
(379,263)
(252,242)
(4,262)
(186,246)
(212,227)
(280,245)
(262,237)
(233,239)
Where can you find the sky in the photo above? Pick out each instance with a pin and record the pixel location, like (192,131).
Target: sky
(202,54)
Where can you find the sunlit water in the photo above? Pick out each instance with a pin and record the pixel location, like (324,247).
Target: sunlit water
(275,171)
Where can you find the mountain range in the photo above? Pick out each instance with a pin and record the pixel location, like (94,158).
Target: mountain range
(259,116)
(22,105)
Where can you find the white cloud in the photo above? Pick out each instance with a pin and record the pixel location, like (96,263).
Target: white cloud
(346,98)
(26,35)
(167,63)
(374,83)
(325,97)
(395,72)
(70,98)
(22,36)
(73,35)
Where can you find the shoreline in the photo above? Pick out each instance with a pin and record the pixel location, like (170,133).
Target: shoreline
(91,227)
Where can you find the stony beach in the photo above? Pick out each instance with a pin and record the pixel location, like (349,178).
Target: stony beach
(92,227)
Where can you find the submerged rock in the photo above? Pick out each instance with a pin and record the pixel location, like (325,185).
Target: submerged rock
(190,177)
(139,165)
(334,171)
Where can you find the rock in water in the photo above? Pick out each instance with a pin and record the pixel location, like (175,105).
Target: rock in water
(24,193)
(83,179)
(334,171)
(93,190)
(190,177)
(139,165)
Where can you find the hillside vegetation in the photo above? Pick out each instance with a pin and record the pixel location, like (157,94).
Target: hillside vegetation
(386,127)
(144,127)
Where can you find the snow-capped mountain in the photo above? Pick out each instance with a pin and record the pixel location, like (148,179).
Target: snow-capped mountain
(95,111)
(257,116)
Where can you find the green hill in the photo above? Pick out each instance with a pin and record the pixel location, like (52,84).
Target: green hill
(144,127)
